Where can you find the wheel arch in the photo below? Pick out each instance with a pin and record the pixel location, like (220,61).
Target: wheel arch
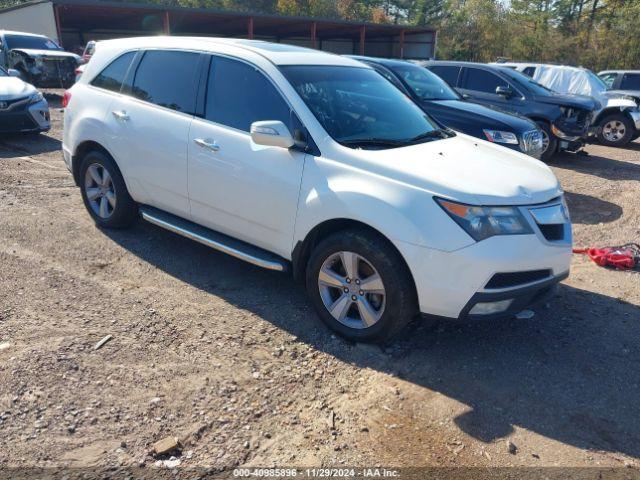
(606,112)
(81,150)
(303,248)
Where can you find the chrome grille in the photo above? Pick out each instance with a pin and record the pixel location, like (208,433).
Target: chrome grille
(531,141)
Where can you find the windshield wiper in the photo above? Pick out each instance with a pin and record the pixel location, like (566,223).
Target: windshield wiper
(430,135)
(371,142)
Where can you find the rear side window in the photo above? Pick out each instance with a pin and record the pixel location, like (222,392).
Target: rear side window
(238,95)
(630,81)
(483,81)
(111,78)
(168,79)
(448,73)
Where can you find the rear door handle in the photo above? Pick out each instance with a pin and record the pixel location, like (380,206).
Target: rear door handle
(207,144)
(120,115)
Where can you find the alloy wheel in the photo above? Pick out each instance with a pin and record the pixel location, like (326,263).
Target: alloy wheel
(613,131)
(352,290)
(545,141)
(100,190)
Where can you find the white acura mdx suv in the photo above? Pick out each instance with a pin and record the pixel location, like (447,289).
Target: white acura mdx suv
(295,159)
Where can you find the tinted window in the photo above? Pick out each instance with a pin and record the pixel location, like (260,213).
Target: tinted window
(168,79)
(529,71)
(425,85)
(483,81)
(357,106)
(238,95)
(630,81)
(111,78)
(448,74)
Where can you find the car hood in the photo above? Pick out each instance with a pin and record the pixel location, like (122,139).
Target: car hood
(13,87)
(467,170)
(46,53)
(575,101)
(489,118)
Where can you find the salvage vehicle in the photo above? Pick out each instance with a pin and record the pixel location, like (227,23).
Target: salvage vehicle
(617,118)
(444,104)
(295,159)
(40,61)
(563,119)
(22,107)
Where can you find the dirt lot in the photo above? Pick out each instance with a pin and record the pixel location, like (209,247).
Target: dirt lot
(232,360)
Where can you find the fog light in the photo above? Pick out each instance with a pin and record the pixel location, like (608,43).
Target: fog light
(487,308)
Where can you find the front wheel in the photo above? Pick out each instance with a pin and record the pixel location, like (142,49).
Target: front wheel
(549,141)
(360,286)
(616,130)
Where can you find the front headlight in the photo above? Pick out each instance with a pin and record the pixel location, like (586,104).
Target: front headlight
(498,136)
(485,222)
(36,97)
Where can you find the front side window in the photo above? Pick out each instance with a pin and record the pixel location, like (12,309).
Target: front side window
(168,78)
(358,107)
(425,84)
(239,94)
(113,75)
(29,42)
(630,81)
(483,81)
(608,79)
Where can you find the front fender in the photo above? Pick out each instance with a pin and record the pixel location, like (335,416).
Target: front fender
(401,212)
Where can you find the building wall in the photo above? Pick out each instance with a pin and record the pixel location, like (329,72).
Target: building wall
(32,19)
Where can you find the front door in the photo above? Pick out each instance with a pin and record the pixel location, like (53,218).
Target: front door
(479,86)
(236,187)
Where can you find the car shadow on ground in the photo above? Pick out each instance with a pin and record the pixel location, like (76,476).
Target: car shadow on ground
(589,210)
(570,374)
(23,144)
(597,166)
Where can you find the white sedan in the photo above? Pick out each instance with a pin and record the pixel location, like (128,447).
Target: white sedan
(22,107)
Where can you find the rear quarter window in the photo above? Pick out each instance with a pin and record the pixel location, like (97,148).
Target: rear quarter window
(113,75)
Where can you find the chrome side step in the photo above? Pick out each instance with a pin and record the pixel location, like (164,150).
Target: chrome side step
(224,243)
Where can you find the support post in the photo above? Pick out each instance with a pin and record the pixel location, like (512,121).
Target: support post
(314,27)
(402,44)
(56,13)
(250,28)
(362,38)
(166,24)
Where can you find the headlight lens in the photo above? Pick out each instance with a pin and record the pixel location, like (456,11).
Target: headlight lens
(36,97)
(485,222)
(498,136)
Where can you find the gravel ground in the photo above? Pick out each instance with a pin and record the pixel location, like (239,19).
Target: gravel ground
(232,360)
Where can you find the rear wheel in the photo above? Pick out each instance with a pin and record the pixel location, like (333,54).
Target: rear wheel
(549,141)
(616,130)
(104,192)
(360,286)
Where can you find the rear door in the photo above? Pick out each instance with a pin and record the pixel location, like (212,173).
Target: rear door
(479,85)
(236,187)
(151,128)
(630,81)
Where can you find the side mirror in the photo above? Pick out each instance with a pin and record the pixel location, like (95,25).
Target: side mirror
(504,91)
(13,72)
(271,133)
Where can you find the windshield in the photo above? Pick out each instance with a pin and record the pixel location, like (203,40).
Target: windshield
(527,82)
(597,80)
(29,42)
(359,108)
(424,84)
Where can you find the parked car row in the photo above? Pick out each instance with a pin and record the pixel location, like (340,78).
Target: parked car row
(295,159)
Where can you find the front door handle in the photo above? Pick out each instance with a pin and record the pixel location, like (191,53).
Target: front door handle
(207,144)
(120,115)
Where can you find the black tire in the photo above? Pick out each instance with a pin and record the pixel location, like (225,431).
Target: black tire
(400,302)
(553,141)
(125,211)
(618,121)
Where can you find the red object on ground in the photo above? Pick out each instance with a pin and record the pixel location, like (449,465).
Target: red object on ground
(625,257)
